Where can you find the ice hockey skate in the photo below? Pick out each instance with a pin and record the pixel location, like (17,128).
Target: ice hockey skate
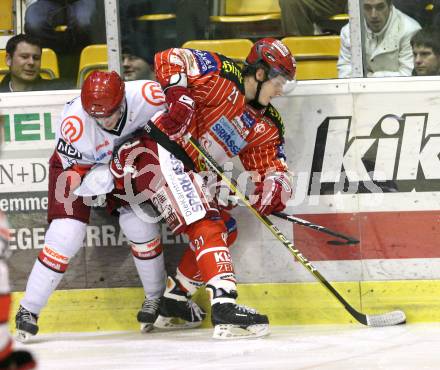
(177,310)
(25,324)
(234,321)
(148,314)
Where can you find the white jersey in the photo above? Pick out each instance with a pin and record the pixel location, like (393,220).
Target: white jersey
(80,140)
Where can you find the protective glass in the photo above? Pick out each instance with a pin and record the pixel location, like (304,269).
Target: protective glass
(283,84)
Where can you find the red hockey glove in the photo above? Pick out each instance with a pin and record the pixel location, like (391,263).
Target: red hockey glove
(124,161)
(273,194)
(181,111)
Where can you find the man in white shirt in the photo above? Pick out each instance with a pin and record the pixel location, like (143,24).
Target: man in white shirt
(388,50)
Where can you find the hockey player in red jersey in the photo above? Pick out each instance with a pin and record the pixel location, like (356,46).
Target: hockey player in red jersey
(91,127)
(207,94)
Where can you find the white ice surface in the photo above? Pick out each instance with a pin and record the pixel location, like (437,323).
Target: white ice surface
(404,347)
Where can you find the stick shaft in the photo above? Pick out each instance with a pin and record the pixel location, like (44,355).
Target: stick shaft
(300,221)
(278,234)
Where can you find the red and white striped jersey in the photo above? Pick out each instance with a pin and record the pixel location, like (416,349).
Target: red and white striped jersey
(224,124)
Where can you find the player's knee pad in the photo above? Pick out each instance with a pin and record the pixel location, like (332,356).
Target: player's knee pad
(148,250)
(208,241)
(136,229)
(144,236)
(63,239)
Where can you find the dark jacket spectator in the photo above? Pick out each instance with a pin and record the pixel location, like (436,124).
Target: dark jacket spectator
(426,52)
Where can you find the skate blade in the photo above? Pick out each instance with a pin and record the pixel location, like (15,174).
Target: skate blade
(23,336)
(146,327)
(174,323)
(229,331)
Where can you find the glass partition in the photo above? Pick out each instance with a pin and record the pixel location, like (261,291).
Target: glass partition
(332,39)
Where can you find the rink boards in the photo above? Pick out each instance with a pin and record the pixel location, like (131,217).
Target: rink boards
(365,154)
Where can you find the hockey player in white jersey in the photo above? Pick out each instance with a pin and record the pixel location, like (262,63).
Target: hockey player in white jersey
(91,126)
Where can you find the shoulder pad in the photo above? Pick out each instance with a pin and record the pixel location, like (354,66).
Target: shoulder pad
(272,113)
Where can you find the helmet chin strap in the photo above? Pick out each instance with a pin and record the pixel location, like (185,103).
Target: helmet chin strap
(255,102)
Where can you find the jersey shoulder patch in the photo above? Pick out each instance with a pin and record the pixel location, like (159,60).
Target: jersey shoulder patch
(232,72)
(72,128)
(205,60)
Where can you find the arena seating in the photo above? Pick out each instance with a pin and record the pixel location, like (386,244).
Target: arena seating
(316,56)
(236,49)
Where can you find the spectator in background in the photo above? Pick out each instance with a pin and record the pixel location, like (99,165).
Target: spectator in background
(137,64)
(23,57)
(426,51)
(387,41)
(298,17)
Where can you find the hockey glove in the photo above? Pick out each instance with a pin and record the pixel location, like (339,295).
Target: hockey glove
(124,161)
(180,109)
(273,194)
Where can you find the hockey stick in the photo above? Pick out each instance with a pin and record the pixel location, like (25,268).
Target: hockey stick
(300,221)
(385,319)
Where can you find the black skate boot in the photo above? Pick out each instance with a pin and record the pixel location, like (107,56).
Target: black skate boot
(234,321)
(148,314)
(177,311)
(18,360)
(26,324)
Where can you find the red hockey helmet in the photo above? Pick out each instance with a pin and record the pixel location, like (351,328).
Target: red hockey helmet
(102,93)
(275,55)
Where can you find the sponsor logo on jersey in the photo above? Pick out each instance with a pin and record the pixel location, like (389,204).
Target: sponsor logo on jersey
(260,128)
(153,94)
(185,188)
(101,156)
(205,61)
(68,150)
(102,145)
(228,135)
(240,127)
(72,129)
(395,154)
(247,119)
